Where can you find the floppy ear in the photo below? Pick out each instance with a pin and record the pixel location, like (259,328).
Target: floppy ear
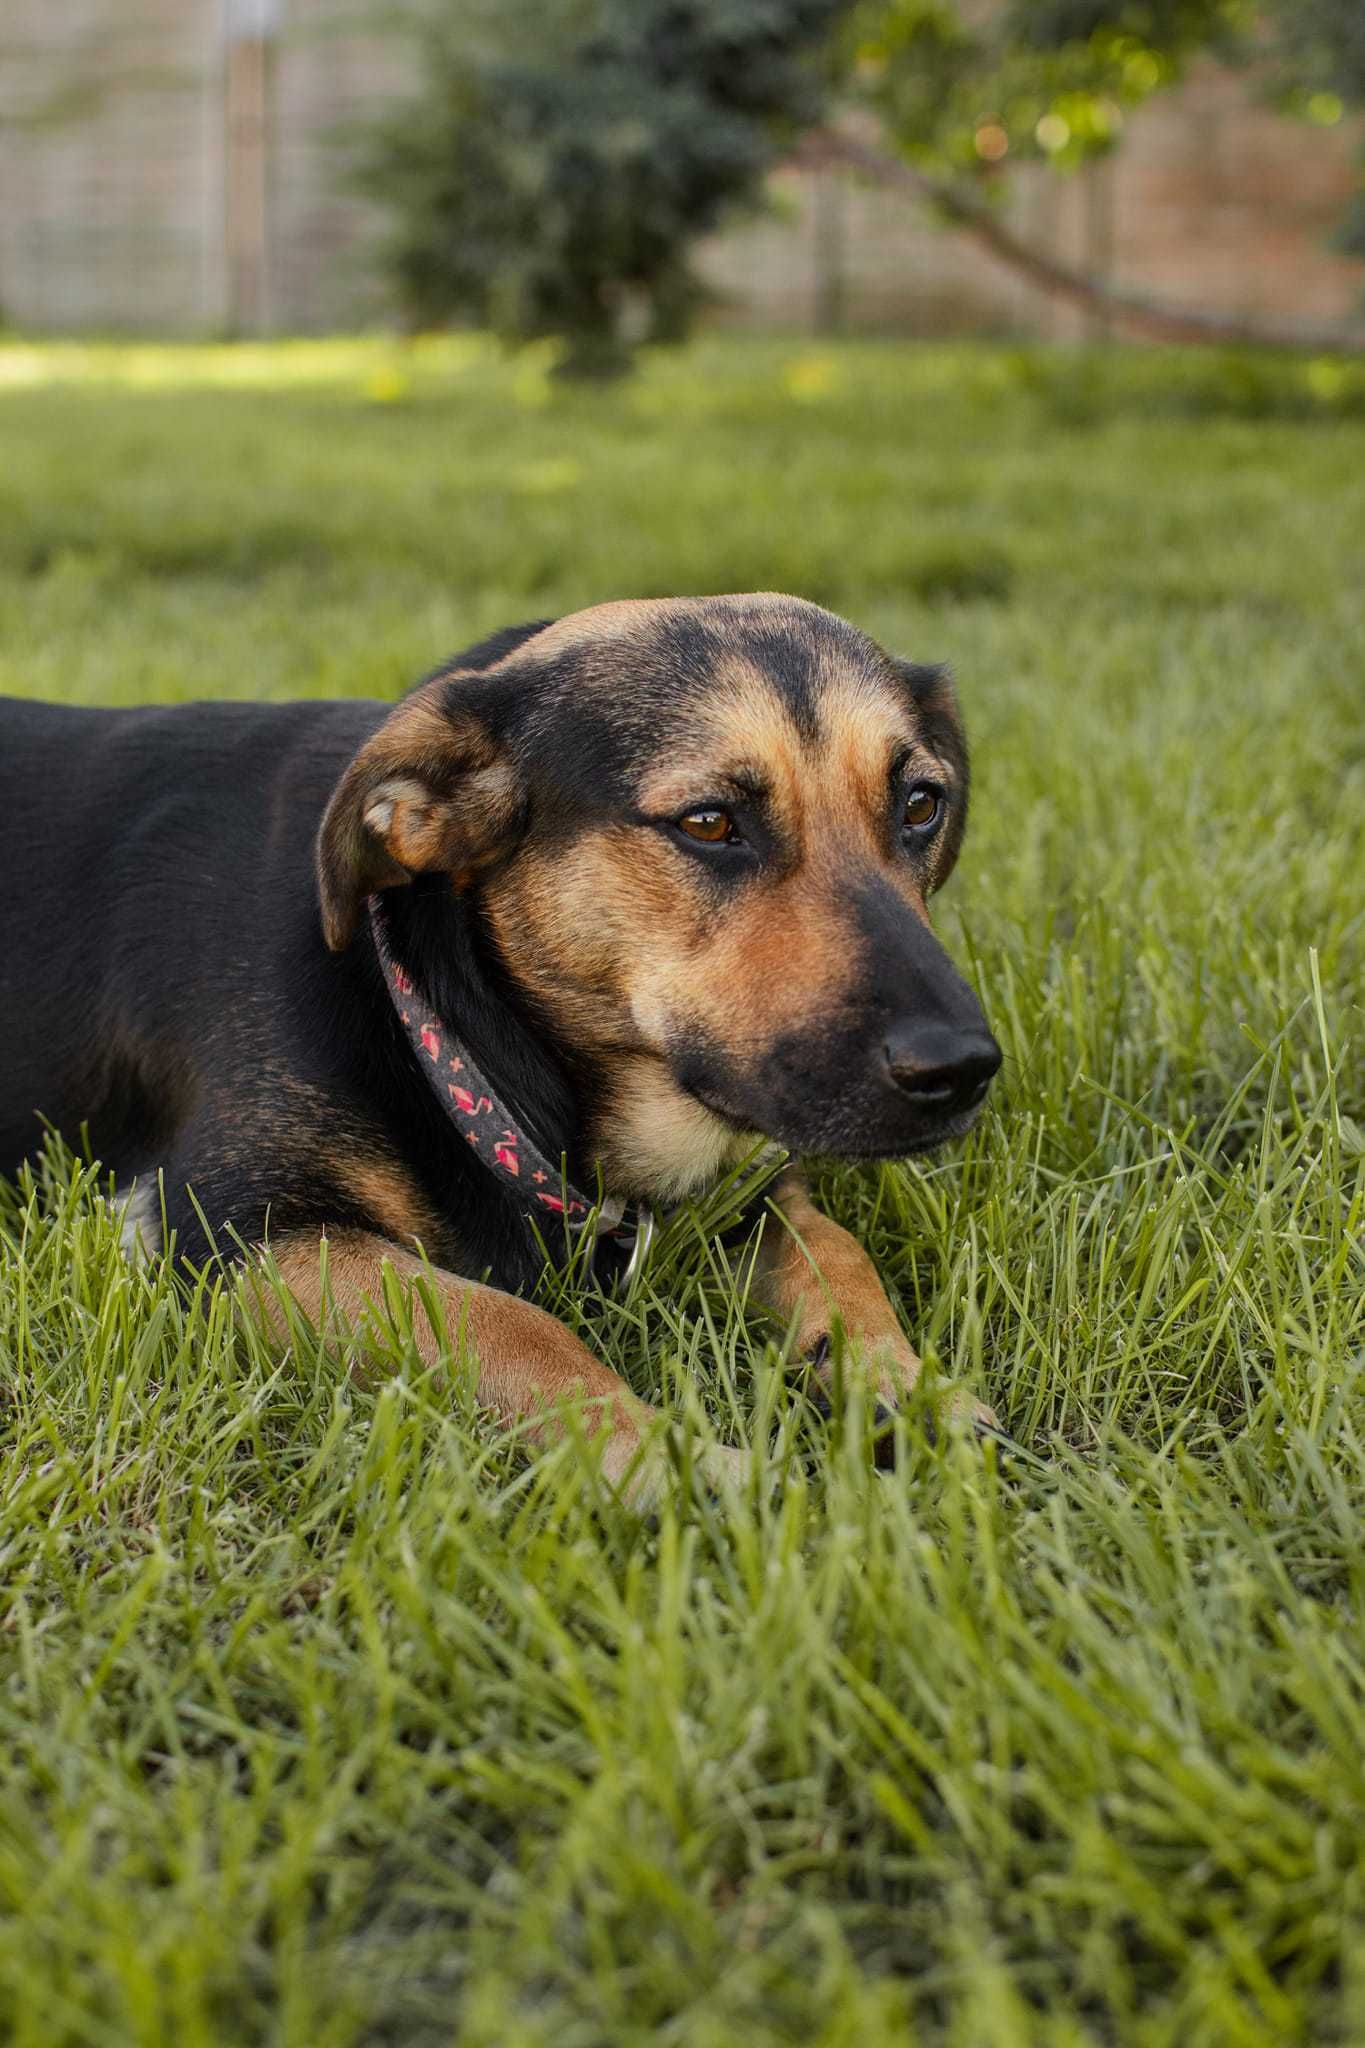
(432,789)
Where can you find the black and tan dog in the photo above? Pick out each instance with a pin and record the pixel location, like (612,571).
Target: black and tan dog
(622,893)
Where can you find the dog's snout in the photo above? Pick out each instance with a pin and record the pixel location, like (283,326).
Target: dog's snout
(940,1069)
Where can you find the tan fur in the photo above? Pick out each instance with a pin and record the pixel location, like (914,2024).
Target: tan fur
(812,1273)
(383,1191)
(528,1364)
(623,620)
(427,791)
(629,622)
(618,943)
(652,1136)
(616,939)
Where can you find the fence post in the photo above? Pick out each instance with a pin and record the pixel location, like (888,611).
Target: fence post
(1099,239)
(830,237)
(248,26)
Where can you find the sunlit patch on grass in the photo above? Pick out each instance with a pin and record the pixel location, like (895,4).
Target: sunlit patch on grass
(387,384)
(336,362)
(809,378)
(533,370)
(1326,378)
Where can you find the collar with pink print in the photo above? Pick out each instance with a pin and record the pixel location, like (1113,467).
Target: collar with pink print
(541,1189)
(468,1097)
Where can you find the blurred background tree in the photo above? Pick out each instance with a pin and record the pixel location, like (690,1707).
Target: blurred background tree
(962,92)
(965,89)
(1320,46)
(568,154)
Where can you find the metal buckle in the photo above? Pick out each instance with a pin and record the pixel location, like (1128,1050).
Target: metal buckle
(630,1244)
(646,1230)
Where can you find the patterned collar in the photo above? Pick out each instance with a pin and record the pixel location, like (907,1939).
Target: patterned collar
(542,1190)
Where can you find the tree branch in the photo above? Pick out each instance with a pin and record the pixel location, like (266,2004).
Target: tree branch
(826,148)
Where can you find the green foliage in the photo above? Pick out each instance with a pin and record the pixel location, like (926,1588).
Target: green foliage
(975,90)
(1321,46)
(560,162)
(1325,39)
(328,1718)
(555,172)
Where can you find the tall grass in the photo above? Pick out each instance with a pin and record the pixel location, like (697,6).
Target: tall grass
(329,1716)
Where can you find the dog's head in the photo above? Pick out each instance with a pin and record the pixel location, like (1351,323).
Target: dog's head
(702,834)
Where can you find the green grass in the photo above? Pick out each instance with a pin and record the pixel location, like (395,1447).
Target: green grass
(326,1717)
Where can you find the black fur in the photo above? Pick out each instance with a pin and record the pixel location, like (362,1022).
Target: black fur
(167,997)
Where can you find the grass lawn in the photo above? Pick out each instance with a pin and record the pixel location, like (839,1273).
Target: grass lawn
(328,1718)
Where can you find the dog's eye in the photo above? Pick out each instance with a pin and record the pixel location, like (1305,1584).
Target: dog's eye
(712,828)
(923,807)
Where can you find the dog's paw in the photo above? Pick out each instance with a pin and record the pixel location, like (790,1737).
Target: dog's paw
(641,1474)
(953,1409)
(962,1410)
(724,1470)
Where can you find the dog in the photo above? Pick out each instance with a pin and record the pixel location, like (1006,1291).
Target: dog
(600,907)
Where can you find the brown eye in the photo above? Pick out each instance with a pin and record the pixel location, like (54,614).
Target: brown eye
(713,828)
(922,807)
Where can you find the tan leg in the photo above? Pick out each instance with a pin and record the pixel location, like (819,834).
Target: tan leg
(528,1363)
(811,1272)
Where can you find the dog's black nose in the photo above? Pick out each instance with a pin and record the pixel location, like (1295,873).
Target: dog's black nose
(942,1070)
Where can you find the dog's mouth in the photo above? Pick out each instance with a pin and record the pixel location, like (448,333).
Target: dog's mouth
(718,1108)
(850,1135)
(902,1145)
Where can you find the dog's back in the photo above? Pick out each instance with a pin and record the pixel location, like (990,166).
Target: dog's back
(143,853)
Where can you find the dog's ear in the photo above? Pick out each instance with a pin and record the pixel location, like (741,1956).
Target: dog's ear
(433,789)
(931,692)
(930,689)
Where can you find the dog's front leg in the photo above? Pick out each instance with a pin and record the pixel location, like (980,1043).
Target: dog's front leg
(528,1363)
(812,1273)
